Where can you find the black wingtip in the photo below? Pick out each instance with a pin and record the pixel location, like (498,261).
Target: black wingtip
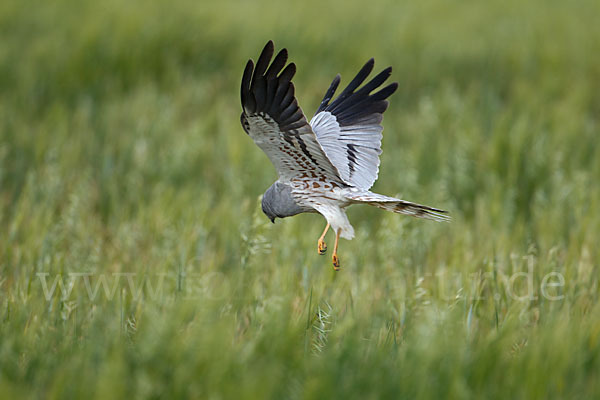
(269,46)
(393,87)
(288,73)
(329,94)
(355,83)
(267,87)
(246,80)
(366,70)
(264,59)
(385,92)
(277,64)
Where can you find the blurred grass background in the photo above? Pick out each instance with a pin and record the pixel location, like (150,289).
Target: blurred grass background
(122,158)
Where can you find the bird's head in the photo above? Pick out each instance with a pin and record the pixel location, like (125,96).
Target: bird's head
(267,210)
(278,202)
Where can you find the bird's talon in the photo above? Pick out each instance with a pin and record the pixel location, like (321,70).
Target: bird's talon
(322,247)
(336,262)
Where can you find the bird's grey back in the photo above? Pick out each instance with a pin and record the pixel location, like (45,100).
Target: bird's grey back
(278,202)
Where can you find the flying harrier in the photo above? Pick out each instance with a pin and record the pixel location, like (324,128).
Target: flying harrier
(326,164)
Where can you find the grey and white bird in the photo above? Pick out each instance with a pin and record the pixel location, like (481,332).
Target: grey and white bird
(329,163)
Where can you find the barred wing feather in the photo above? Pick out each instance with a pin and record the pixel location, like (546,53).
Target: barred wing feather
(398,206)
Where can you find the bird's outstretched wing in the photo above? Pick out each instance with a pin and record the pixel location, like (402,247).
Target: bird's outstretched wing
(273,119)
(349,129)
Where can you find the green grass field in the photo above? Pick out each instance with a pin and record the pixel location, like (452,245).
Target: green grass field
(135,261)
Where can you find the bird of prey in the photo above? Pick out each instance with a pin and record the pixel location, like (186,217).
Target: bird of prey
(329,163)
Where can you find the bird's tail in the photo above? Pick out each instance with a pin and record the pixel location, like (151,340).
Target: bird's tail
(400,206)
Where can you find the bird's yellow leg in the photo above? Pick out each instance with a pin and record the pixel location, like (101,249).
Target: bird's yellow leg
(322,246)
(335,259)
